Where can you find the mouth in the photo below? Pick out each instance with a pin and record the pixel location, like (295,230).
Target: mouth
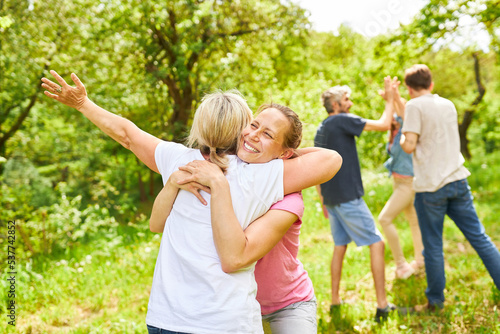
(249,148)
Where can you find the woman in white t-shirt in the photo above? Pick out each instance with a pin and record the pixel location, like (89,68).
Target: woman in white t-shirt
(190,292)
(285,291)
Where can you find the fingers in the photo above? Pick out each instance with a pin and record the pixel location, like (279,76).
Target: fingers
(186,180)
(187,168)
(195,192)
(58,78)
(51,86)
(77,81)
(52,96)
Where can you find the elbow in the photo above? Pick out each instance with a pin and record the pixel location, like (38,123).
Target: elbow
(231,265)
(155,229)
(124,140)
(408,149)
(333,165)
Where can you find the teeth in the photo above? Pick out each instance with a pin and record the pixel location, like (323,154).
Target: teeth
(248,147)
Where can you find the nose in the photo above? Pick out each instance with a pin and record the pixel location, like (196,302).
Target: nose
(253,134)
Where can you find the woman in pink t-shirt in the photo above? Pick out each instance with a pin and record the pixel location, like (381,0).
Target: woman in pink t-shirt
(285,291)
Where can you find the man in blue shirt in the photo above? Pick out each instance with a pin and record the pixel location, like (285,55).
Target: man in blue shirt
(350,218)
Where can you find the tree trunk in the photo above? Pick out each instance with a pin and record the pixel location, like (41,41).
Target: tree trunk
(469,113)
(152,183)
(142,190)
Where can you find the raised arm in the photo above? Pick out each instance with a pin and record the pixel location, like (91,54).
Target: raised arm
(384,123)
(238,248)
(141,143)
(314,166)
(399,102)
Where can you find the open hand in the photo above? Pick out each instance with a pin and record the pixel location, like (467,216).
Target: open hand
(391,88)
(73,97)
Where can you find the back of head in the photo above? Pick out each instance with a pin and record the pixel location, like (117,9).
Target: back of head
(293,135)
(418,77)
(217,125)
(333,94)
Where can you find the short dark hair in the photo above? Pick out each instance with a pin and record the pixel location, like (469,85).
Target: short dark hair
(418,77)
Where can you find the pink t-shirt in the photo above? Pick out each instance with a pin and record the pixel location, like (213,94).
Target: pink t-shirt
(280,276)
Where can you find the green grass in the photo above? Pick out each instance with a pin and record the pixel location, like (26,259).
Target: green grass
(103,286)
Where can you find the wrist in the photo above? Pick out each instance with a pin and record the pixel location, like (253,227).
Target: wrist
(218,183)
(84,105)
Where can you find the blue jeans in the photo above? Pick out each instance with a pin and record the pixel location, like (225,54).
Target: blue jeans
(455,200)
(156,330)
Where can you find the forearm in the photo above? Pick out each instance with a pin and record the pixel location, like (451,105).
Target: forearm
(386,118)
(307,150)
(303,172)
(229,237)
(162,207)
(384,123)
(399,107)
(111,124)
(408,142)
(125,132)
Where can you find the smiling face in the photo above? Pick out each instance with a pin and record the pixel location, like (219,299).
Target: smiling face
(262,140)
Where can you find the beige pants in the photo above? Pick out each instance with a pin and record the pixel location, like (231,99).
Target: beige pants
(401,200)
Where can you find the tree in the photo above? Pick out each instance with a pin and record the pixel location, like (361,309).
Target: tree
(186,43)
(439,25)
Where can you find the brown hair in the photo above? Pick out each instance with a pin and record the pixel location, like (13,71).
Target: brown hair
(217,125)
(293,136)
(418,77)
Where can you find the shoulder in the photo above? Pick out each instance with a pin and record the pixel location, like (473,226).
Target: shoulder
(293,203)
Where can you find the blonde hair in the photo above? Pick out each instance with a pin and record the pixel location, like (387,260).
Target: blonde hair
(217,125)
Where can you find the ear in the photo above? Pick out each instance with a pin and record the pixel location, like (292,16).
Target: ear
(431,86)
(287,153)
(335,106)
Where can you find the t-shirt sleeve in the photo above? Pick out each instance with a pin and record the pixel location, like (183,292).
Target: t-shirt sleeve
(292,203)
(269,186)
(166,155)
(412,119)
(354,125)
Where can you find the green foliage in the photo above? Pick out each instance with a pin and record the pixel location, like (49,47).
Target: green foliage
(102,286)
(75,192)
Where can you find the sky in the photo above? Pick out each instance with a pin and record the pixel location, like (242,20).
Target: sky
(374,17)
(368,17)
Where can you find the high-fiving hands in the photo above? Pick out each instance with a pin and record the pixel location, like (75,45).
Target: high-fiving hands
(74,97)
(391,91)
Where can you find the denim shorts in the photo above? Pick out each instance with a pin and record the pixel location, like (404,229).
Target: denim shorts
(353,221)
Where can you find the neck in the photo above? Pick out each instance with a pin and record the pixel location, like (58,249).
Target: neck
(418,93)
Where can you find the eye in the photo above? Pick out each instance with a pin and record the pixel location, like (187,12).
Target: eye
(253,126)
(268,135)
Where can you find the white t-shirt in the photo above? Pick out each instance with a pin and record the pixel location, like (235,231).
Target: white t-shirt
(190,292)
(437,160)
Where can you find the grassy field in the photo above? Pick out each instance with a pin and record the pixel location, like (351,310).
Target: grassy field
(103,286)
